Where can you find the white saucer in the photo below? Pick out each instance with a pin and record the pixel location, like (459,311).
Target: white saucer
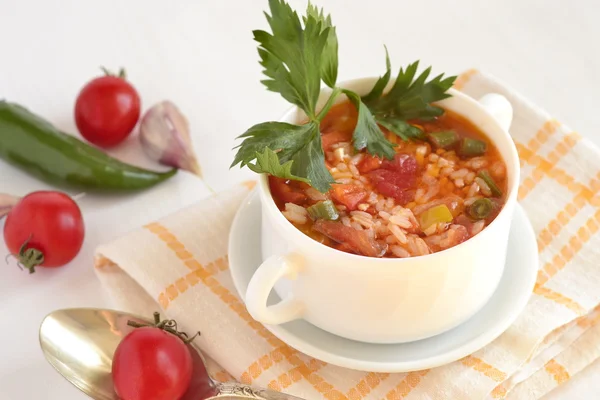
(497,315)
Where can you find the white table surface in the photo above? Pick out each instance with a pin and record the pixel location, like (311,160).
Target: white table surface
(201,55)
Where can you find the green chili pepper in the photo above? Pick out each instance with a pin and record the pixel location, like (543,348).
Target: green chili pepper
(33,144)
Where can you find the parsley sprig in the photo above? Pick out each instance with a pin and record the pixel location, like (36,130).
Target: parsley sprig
(408,99)
(296,56)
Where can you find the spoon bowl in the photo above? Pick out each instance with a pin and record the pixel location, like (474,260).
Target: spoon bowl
(80,343)
(75,342)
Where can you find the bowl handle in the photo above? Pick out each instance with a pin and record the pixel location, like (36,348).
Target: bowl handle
(499,108)
(261,284)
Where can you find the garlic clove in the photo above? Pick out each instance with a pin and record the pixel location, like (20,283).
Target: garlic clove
(7,202)
(165,137)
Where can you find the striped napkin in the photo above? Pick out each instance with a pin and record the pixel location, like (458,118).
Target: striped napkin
(179,264)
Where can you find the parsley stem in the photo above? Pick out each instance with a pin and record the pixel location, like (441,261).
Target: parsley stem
(335,93)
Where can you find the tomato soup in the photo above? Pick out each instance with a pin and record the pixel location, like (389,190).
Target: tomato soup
(438,191)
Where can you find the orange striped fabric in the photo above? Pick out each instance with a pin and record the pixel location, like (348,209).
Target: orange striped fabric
(499,392)
(483,367)
(406,385)
(558,372)
(370,382)
(202,274)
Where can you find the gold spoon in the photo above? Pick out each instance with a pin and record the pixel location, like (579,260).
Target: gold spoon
(80,342)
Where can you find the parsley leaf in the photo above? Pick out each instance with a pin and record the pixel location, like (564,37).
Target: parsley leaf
(292,55)
(310,162)
(381,83)
(401,128)
(267,162)
(296,56)
(367,133)
(329,62)
(410,98)
(299,145)
(278,136)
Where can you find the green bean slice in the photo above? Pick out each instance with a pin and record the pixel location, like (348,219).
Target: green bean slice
(480,208)
(487,178)
(472,147)
(443,139)
(323,210)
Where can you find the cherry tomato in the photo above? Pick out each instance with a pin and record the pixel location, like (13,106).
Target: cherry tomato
(151,364)
(107,110)
(44,224)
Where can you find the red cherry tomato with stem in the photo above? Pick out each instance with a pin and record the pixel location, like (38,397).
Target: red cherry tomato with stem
(107,109)
(44,229)
(152,364)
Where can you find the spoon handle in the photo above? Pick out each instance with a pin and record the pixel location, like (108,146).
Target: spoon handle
(238,390)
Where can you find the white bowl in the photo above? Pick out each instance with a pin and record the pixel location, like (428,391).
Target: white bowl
(385,300)
(507,302)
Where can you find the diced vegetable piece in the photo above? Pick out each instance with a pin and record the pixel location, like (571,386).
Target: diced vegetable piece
(348,195)
(481,208)
(472,147)
(443,139)
(404,164)
(369,163)
(396,178)
(323,210)
(402,195)
(358,241)
(435,215)
(487,178)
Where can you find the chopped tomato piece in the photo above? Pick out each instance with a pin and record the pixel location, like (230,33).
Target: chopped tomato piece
(330,138)
(404,164)
(369,163)
(358,241)
(400,180)
(286,192)
(348,195)
(401,195)
(396,178)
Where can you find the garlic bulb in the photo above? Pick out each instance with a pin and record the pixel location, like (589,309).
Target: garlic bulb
(165,137)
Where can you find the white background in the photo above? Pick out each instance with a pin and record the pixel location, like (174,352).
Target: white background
(201,55)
